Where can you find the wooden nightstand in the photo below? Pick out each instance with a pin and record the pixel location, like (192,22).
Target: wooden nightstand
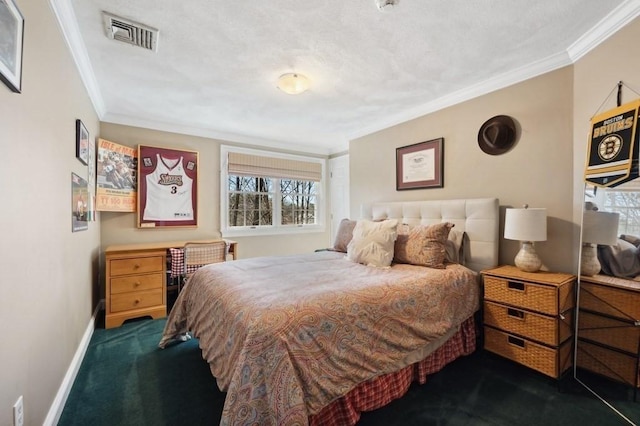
(528,317)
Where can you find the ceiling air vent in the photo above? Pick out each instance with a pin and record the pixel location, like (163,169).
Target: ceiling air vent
(130,32)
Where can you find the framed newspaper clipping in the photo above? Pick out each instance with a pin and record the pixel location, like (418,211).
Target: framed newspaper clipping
(168,187)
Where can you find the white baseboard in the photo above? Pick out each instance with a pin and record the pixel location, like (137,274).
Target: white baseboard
(55,411)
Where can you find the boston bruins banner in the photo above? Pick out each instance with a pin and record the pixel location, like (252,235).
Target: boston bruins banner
(612,157)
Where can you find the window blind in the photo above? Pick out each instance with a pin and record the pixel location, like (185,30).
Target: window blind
(258,165)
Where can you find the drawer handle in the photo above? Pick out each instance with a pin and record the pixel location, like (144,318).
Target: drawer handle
(516,342)
(514,313)
(135,302)
(136,266)
(136,284)
(512,285)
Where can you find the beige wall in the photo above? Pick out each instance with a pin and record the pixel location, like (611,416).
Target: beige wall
(120,228)
(48,285)
(537,171)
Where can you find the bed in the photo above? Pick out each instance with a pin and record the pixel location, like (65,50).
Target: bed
(339,337)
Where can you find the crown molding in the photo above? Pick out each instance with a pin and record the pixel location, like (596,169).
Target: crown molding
(243,139)
(487,86)
(609,25)
(69,27)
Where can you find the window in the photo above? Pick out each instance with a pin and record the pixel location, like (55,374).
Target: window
(269,193)
(627,203)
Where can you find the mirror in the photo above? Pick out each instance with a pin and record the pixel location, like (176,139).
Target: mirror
(608,319)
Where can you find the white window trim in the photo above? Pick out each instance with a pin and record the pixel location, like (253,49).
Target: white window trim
(236,231)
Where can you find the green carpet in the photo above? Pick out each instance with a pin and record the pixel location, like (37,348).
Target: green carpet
(125,379)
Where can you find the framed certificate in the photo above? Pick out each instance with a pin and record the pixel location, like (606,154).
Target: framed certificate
(420,165)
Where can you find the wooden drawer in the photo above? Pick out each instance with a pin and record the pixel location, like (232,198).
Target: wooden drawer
(616,365)
(136,265)
(609,331)
(550,361)
(545,299)
(615,302)
(136,300)
(136,283)
(545,329)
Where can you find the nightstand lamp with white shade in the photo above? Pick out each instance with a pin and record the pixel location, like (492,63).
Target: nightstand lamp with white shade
(597,228)
(526,225)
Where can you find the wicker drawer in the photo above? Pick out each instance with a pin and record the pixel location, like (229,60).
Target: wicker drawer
(609,331)
(534,296)
(545,329)
(615,302)
(550,361)
(616,365)
(136,283)
(135,300)
(136,265)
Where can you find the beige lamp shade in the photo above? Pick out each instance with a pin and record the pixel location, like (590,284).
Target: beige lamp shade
(525,224)
(600,227)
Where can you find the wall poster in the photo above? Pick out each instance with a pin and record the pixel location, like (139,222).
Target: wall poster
(168,181)
(79,203)
(116,177)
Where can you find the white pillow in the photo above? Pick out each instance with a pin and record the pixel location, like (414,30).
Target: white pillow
(372,243)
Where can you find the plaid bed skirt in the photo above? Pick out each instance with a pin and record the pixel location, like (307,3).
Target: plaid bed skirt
(382,390)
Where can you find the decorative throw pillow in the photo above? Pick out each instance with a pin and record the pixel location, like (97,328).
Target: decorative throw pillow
(423,245)
(455,247)
(372,243)
(344,235)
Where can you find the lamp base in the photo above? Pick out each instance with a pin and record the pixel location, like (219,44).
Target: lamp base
(589,263)
(527,259)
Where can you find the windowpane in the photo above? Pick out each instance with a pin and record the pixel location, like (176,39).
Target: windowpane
(255,201)
(626,203)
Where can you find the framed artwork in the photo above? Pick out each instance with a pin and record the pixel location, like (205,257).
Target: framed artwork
(82,142)
(168,182)
(79,203)
(116,182)
(12,36)
(420,165)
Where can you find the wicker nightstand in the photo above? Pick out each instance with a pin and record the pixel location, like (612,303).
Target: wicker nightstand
(528,318)
(609,328)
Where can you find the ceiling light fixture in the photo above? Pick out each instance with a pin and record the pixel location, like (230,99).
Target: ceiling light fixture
(385,5)
(293,83)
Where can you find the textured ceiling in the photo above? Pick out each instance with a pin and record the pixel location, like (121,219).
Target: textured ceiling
(215,70)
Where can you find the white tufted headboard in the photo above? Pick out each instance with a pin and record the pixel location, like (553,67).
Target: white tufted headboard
(478,217)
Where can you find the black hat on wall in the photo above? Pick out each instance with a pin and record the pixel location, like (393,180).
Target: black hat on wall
(497,135)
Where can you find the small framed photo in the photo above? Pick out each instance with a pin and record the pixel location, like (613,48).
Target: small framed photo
(82,142)
(79,203)
(12,36)
(420,165)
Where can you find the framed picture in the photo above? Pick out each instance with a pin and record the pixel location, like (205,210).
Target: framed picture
(79,203)
(116,181)
(82,142)
(168,187)
(420,165)
(12,36)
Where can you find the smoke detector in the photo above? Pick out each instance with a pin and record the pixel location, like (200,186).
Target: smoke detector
(130,32)
(385,5)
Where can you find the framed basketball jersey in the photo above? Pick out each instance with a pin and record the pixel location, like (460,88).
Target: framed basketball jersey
(168,182)
(612,155)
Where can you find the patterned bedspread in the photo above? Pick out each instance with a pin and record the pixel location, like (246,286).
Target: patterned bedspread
(285,336)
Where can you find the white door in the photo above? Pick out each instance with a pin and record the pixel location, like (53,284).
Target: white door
(339,188)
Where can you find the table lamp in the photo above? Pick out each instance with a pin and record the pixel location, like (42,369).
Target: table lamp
(526,225)
(597,228)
